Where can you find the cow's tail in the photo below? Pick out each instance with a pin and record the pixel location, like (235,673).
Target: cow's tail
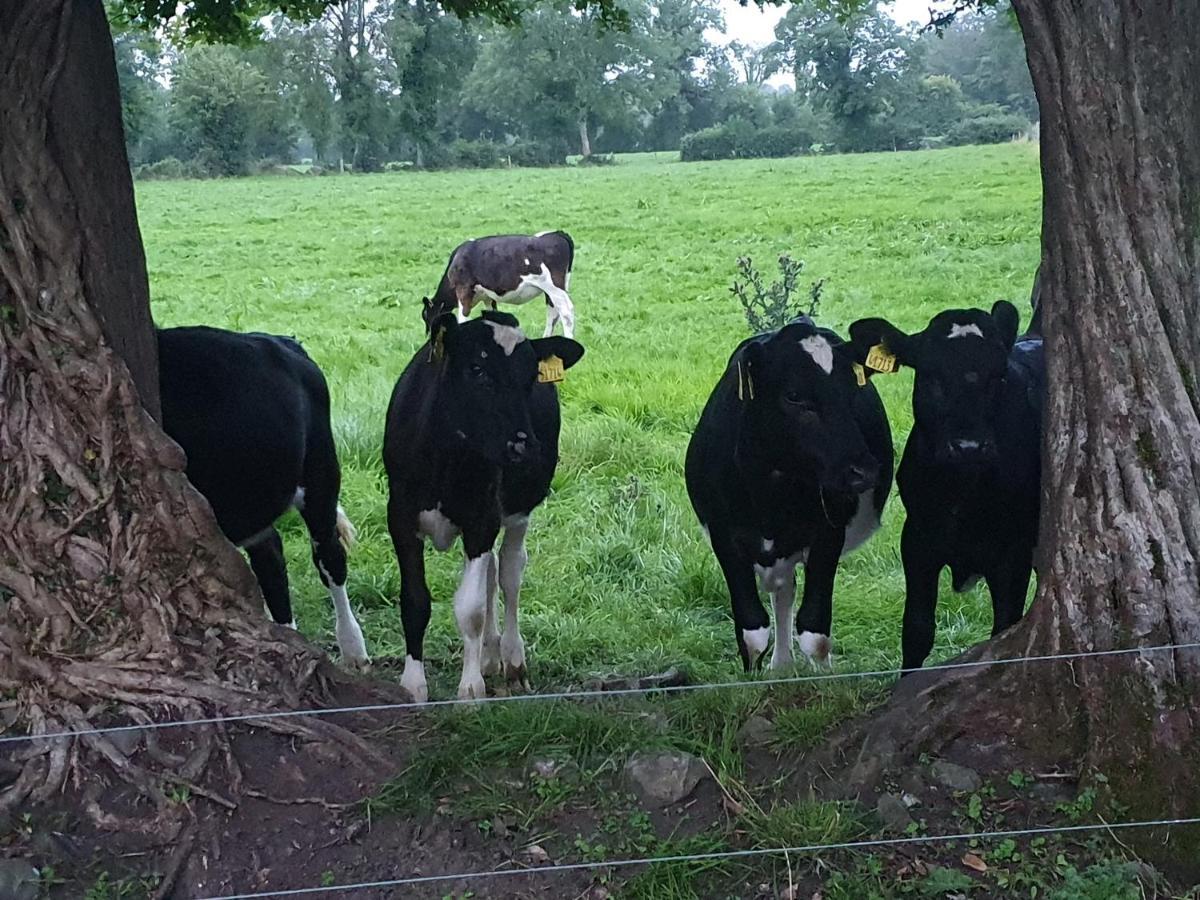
(346,532)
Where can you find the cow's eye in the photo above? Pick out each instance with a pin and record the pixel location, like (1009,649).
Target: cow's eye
(798,400)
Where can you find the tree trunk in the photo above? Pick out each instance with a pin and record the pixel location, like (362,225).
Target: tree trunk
(585,142)
(119,597)
(1119,549)
(1120,524)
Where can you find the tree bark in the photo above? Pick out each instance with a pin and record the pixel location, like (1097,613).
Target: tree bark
(1119,539)
(119,597)
(1120,525)
(585,142)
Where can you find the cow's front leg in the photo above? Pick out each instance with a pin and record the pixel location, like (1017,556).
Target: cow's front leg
(814,621)
(470,611)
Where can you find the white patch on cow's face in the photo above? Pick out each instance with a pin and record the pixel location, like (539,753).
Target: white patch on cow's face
(818,348)
(413,680)
(507,337)
(768,545)
(433,524)
(957,331)
(815,646)
(756,640)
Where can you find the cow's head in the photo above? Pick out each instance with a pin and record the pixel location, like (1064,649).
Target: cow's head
(799,389)
(960,361)
(431,310)
(489,371)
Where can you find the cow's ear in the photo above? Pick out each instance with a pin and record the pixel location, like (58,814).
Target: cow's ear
(1007,320)
(879,346)
(569,351)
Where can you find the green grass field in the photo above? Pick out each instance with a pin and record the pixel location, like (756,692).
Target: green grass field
(620,578)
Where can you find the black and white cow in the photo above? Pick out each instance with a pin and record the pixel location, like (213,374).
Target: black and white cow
(791,463)
(970,476)
(508,268)
(470,447)
(251,411)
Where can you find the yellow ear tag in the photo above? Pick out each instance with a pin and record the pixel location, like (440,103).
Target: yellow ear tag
(860,374)
(437,347)
(745,383)
(880,360)
(550,370)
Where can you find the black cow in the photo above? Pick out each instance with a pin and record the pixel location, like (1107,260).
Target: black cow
(790,463)
(508,268)
(970,476)
(251,411)
(470,446)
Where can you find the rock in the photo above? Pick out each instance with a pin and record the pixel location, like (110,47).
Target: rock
(956,777)
(911,782)
(910,800)
(756,731)
(665,778)
(126,741)
(552,769)
(894,813)
(19,880)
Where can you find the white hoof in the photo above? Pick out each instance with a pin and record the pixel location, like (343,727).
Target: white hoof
(413,680)
(471,689)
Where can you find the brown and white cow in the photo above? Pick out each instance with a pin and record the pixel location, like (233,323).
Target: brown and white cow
(508,268)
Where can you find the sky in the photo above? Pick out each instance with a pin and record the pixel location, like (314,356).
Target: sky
(756,27)
(750,25)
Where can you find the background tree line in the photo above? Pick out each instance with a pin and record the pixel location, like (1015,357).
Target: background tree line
(385,83)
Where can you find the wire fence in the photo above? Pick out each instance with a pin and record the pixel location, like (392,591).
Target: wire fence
(813,678)
(716,856)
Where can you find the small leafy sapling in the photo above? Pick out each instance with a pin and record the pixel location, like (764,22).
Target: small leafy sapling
(768,307)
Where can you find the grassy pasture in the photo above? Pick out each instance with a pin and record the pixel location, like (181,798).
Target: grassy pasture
(620,578)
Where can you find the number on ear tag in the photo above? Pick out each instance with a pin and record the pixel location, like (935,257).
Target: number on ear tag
(550,370)
(881,360)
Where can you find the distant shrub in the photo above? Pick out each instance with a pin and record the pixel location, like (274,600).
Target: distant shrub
(536,154)
(739,139)
(168,168)
(995,128)
(598,159)
(400,165)
(707,144)
(476,154)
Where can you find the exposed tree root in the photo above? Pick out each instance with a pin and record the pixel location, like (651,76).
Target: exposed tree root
(120,600)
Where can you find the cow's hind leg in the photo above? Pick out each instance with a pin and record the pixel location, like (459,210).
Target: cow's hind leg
(557,297)
(513,558)
(551,319)
(491,633)
(328,528)
(267,561)
(470,611)
(1009,586)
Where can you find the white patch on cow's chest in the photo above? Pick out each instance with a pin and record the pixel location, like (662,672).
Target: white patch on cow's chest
(506,336)
(957,331)
(820,351)
(433,524)
(864,523)
(776,575)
